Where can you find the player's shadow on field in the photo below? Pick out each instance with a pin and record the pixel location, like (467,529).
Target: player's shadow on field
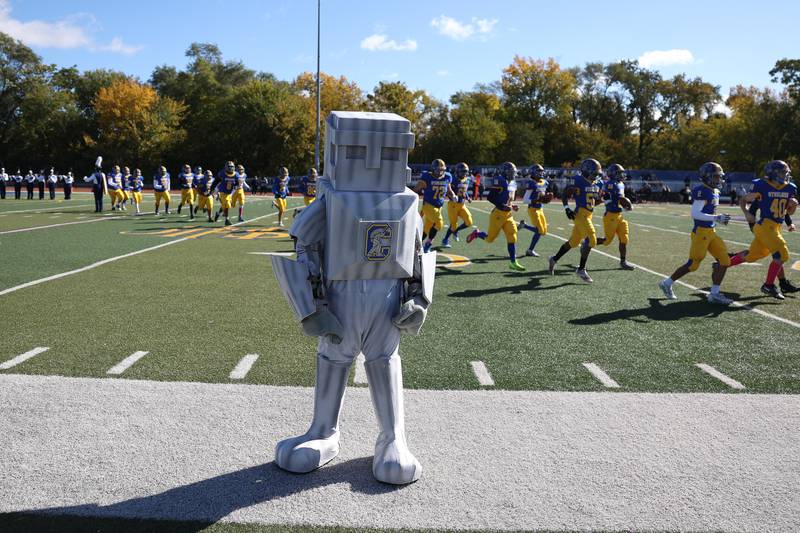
(531,284)
(196,505)
(660,310)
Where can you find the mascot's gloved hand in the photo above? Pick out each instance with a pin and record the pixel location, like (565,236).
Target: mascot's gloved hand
(323,323)
(411,316)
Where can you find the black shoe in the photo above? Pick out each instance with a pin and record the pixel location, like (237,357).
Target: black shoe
(788,287)
(228,222)
(216,216)
(179,208)
(773,291)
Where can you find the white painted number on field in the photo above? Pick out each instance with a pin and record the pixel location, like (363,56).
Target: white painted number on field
(244,366)
(601,376)
(126,363)
(22,357)
(361,374)
(482,373)
(711,371)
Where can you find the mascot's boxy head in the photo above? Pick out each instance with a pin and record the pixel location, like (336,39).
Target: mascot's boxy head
(367,151)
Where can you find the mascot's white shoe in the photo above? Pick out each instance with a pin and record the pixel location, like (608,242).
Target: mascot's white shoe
(393,462)
(320,444)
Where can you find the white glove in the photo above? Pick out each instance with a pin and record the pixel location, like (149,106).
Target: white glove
(323,323)
(411,315)
(724,218)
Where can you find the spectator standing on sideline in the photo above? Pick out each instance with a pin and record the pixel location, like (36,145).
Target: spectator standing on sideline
(98,180)
(52,179)
(40,179)
(17,179)
(3,180)
(30,183)
(68,180)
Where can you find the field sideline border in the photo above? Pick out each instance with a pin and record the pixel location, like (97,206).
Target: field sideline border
(679,282)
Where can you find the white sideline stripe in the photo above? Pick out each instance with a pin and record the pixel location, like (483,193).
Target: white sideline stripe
(360,377)
(279,254)
(482,373)
(23,357)
(54,225)
(727,380)
(244,366)
(601,376)
(126,363)
(679,282)
(111,260)
(59,207)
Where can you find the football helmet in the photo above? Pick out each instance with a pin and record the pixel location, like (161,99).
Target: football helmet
(230,169)
(616,172)
(508,170)
(312,174)
(115,169)
(537,171)
(712,174)
(187,169)
(209,174)
(240,169)
(779,171)
(462,170)
(438,168)
(591,168)
(162,170)
(198,170)
(137,172)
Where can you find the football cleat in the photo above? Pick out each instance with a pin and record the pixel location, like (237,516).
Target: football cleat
(581,272)
(514,265)
(216,216)
(446,244)
(624,265)
(228,222)
(719,299)
(179,208)
(241,219)
(773,291)
(788,287)
(666,288)
(426,246)
(551,265)
(455,237)
(521,224)
(472,236)
(531,253)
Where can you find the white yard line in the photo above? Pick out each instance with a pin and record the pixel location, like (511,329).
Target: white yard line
(23,357)
(54,225)
(482,373)
(111,260)
(126,363)
(679,282)
(54,208)
(244,366)
(601,376)
(727,380)
(360,377)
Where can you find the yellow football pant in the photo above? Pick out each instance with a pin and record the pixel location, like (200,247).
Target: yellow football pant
(237,197)
(204,202)
(615,225)
(456,210)
(536,214)
(583,228)
(162,195)
(187,196)
(137,197)
(768,240)
(224,200)
(705,241)
(281,202)
(431,217)
(502,220)
(309,199)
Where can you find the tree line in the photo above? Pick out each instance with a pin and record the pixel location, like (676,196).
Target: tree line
(215,110)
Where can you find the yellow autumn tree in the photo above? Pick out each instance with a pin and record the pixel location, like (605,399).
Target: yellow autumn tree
(136,126)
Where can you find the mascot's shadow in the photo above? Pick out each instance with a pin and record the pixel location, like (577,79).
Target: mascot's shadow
(193,507)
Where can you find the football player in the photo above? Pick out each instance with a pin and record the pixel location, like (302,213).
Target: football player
(114,187)
(613,223)
(186,181)
(239,188)
(705,199)
(280,189)
(501,195)
(137,184)
(434,186)
(161,186)
(308,186)
(457,206)
(587,191)
(127,187)
(226,180)
(776,197)
(535,195)
(205,193)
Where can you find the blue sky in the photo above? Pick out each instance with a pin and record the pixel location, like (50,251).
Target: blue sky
(441,46)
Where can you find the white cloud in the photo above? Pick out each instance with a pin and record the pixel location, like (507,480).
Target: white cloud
(460,31)
(443,72)
(666,58)
(65,33)
(116,45)
(379,42)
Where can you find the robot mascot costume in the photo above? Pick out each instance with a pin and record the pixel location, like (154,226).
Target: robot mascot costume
(360,280)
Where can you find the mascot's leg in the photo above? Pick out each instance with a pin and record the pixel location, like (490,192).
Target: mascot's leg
(320,444)
(393,461)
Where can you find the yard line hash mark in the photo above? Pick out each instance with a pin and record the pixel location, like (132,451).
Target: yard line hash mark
(482,373)
(601,376)
(23,357)
(713,372)
(243,367)
(126,363)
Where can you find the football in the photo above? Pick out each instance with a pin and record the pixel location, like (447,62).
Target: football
(547,198)
(791,206)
